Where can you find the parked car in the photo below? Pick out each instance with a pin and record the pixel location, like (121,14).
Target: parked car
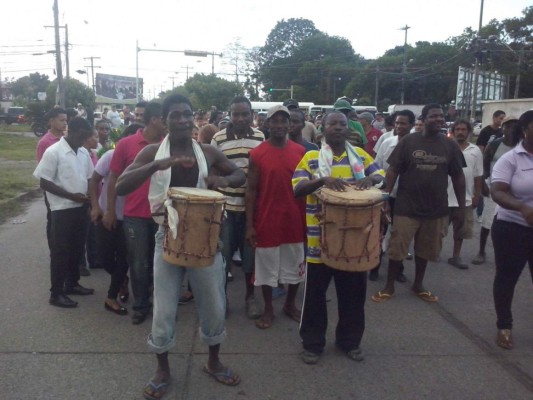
(16,115)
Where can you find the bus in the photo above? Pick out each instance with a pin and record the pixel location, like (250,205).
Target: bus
(320,109)
(258,106)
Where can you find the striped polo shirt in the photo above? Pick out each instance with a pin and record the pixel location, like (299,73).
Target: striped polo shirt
(237,151)
(340,169)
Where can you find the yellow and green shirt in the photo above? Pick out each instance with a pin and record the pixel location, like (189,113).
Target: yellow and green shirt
(340,169)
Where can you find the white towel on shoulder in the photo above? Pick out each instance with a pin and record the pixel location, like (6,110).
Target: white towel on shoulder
(160,182)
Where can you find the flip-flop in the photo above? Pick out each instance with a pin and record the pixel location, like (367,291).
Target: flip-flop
(226,376)
(426,295)
(293,314)
(158,390)
(262,323)
(381,297)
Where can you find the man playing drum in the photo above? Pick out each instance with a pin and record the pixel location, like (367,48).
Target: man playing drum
(337,165)
(181,162)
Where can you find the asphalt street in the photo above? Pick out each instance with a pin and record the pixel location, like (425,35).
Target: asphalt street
(414,349)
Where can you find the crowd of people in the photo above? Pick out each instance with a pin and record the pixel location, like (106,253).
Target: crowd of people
(106,198)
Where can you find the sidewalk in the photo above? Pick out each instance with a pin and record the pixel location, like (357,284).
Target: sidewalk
(414,350)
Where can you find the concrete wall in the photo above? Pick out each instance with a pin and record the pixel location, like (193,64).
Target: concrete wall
(514,107)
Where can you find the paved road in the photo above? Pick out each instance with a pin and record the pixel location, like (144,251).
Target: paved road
(414,350)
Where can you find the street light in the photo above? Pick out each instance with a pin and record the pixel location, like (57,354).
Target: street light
(191,53)
(404,64)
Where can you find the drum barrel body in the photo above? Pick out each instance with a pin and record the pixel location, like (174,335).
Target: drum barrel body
(350,232)
(199,225)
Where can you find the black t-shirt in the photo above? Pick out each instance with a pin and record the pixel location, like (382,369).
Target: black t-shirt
(486,133)
(423,164)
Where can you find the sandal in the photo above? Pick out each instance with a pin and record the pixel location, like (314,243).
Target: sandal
(264,323)
(293,313)
(157,391)
(381,297)
(504,339)
(426,295)
(226,376)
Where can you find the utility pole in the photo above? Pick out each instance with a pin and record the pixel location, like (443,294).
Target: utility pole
(92,67)
(67,44)
(476,67)
(404,65)
(60,94)
(377,87)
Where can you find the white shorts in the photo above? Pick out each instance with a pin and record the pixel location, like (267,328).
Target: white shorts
(285,263)
(489,211)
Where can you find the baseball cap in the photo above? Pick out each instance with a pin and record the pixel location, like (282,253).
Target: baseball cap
(342,105)
(366,115)
(273,110)
(509,119)
(291,103)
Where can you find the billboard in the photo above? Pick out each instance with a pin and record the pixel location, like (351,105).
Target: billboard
(116,89)
(491,86)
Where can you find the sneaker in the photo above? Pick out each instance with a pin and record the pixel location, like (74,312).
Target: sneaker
(309,357)
(409,256)
(479,259)
(252,308)
(479,218)
(229,277)
(457,263)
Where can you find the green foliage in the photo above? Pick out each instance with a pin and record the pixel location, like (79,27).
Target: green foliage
(75,92)
(25,89)
(205,91)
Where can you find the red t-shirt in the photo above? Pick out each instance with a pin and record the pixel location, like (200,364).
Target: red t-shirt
(45,142)
(373,135)
(279,216)
(136,203)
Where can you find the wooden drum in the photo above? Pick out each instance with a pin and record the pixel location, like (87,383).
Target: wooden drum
(350,228)
(200,213)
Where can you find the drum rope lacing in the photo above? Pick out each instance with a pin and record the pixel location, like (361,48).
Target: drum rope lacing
(183,219)
(342,255)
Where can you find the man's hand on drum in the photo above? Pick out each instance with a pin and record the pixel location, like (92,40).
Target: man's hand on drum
(214,182)
(365,183)
(165,163)
(336,184)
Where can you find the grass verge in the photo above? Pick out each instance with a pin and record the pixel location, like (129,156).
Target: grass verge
(17,162)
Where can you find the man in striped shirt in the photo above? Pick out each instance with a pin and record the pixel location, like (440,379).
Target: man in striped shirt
(350,286)
(236,142)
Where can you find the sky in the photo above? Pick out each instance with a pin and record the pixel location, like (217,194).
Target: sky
(109,30)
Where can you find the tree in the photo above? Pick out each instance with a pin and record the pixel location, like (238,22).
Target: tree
(205,91)
(75,92)
(25,89)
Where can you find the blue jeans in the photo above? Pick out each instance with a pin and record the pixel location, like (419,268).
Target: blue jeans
(233,237)
(208,287)
(140,234)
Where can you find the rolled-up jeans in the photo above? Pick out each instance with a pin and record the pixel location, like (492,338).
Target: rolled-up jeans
(140,234)
(208,287)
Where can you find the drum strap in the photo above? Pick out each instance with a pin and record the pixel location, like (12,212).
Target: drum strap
(160,183)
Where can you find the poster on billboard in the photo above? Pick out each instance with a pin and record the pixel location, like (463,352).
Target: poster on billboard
(116,89)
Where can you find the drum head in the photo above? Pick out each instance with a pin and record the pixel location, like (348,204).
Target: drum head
(351,196)
(193,193)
